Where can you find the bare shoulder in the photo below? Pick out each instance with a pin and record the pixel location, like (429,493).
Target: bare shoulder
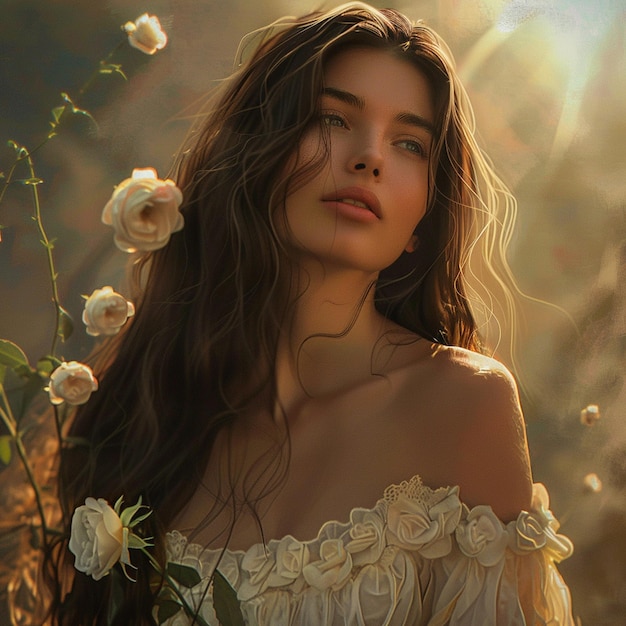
(480,429)
(482,381)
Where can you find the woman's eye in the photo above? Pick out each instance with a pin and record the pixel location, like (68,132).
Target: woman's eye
(413,146)
(332,119)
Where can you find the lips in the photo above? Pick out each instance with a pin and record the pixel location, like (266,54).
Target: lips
(356,196)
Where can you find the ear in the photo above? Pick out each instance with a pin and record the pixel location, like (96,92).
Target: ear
(412,245)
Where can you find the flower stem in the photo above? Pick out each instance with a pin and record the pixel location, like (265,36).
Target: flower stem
(10,423)
(9,177)
(174,587)
(7,416)
(31,478)
(87,84)
(61,474)
(48,245)
(27,154)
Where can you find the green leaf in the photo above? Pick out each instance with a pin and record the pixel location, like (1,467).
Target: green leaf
(12,355)
(5,449)
(167,609)
(66,324)
(57,113)
(24,371)
(118,506)
(33,386)
(47,364)
(225,602)
(75,110)
(112,68)
(183,574)
(139,519)
(32,181)
(137,543)
(128,513)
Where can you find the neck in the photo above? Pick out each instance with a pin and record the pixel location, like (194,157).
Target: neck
(335,302)
(331,336)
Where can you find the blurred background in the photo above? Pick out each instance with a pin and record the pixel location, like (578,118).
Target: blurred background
(548,82)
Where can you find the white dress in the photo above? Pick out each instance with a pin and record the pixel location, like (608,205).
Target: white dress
(419,557)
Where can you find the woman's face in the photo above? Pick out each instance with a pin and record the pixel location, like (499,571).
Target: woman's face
(361,209)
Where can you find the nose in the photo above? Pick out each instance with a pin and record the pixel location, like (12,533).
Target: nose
(367,158)
(362,166)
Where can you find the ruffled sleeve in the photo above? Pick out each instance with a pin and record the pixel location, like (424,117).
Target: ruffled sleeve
(489,573)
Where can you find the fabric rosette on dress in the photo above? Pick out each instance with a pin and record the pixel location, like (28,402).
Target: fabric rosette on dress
(292,556)
(427,528)
(538,529)
(482,536)
(419,556)
(366,536)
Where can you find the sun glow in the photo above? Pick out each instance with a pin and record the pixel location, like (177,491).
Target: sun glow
(572,34)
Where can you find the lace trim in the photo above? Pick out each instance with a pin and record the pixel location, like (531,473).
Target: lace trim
(416,490)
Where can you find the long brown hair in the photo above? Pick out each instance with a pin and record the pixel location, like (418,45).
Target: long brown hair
(200,349)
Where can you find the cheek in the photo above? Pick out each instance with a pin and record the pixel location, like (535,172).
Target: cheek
(310,152)
(420,195)
(414,199)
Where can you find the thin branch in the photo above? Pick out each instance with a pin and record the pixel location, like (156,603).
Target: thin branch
(48,246)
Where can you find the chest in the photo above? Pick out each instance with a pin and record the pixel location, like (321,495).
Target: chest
(333,456)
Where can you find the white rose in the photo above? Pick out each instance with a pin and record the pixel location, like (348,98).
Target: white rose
(106,312)
(366,536)
(291,556)
(97,538)
(146,34)
(482,536)
(72,382)
(143,211)
(414,526)
(333,567)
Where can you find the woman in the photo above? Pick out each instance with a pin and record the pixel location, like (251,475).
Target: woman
(303,390)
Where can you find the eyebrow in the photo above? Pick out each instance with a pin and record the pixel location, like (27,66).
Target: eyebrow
(359,103)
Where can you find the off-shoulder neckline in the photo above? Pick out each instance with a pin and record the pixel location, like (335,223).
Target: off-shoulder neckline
(414,488)
(410,521)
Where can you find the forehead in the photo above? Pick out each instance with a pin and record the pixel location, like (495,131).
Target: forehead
(379,76)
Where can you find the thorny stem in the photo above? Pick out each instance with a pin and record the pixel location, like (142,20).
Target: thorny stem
(26,155)
(48,246)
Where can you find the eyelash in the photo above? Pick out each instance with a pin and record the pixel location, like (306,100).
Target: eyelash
(419,150)
(330,118)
